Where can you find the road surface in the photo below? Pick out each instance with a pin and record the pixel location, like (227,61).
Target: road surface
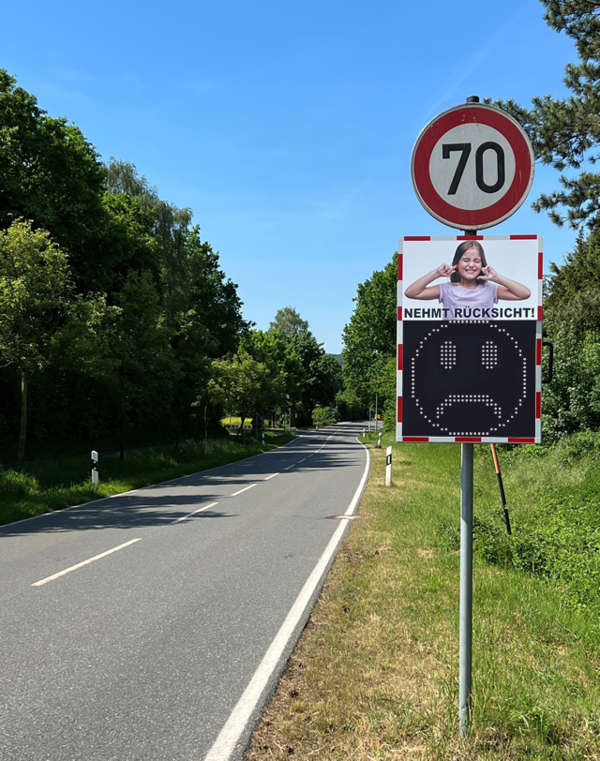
(154,625)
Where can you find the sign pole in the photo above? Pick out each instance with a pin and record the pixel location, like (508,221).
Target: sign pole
(466,584)
(466,588)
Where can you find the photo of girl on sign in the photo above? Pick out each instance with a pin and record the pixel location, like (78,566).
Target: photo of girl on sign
(473,283)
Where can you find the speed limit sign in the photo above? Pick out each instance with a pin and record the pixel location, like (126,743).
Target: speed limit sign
(472,166)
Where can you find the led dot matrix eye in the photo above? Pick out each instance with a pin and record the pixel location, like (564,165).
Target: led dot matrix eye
(448,355)
(489,355)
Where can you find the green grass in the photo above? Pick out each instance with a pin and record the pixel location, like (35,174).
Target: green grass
(554,498)
(49,485)
(375,675)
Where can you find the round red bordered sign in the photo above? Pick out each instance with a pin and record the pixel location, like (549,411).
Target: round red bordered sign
(472,166)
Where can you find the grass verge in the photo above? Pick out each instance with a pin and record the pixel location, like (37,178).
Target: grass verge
(49,485)
(375,673)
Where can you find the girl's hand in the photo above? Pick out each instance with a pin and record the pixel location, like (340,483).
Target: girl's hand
(488,273)
(509,290)
(445,270)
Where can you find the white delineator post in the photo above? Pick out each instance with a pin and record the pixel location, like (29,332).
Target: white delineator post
(95,474)
(388,466)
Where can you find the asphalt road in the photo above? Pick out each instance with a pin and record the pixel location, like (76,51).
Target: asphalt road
(138,627)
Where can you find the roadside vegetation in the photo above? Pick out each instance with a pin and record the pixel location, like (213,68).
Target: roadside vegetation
(375,674)
(53,484)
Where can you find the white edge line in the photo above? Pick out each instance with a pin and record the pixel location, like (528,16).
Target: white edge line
(189,515)
(268,478)
(225,743)
(241,490)
(85,562)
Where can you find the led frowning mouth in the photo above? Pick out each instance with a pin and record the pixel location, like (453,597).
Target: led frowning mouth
(469,399)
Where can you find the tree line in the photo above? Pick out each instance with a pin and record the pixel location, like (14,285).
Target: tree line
(117,322)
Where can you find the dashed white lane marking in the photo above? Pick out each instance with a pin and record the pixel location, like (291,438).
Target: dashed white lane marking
(268,478)
(225,743)
(199,510)
(85,562)
(244,489)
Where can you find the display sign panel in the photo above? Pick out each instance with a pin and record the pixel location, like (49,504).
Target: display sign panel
(469,339)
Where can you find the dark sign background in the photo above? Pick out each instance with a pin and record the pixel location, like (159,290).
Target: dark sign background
(465,378)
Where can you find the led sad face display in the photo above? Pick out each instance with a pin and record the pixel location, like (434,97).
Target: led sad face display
(469,339)
(469,379)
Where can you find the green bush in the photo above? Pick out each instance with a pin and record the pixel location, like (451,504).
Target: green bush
(553,495)
(349,406)
(324,416)
(571,402)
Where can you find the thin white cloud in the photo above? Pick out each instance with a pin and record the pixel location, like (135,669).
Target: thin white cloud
(475,61)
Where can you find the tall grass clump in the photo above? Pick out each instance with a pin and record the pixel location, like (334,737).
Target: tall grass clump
(554,500)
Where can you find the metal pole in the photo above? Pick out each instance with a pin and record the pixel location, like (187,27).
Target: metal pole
(466,574)
(466,588)
(375,412)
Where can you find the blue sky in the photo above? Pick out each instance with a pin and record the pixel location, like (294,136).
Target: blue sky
(287,127)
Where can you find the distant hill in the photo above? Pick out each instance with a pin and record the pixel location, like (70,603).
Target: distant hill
(339,358)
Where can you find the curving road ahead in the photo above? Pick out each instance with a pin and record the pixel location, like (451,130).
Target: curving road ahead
(154,625)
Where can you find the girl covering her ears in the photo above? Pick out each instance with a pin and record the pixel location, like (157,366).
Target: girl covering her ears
(473,283)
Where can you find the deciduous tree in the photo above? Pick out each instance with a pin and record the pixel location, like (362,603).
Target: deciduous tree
(242,382)
(289,321)
(370,336)
(35,294)
(49,174)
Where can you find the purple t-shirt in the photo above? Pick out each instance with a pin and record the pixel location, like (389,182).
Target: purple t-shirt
(468,303)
